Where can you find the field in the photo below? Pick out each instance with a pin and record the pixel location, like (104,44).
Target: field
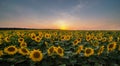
(59,48)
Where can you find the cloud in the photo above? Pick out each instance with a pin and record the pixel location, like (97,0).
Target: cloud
(77,7)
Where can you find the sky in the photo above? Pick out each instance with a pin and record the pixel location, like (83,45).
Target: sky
(61,14)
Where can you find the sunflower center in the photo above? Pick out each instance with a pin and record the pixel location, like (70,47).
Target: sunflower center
(23,44)
(62,37)
(46,35)
(80,48)
(38,39)
(87,37)
(111,46)
(21,39)
(101,49)
(11,49)
(36,54)
(59,50)
(88,51)
(33,37)
(75,42)
(51,49)
(78,39)
(7,38)
(24,50)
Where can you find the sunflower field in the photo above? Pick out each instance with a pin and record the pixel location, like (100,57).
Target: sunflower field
(59,48)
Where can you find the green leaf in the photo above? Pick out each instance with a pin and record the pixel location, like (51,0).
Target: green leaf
(62,65)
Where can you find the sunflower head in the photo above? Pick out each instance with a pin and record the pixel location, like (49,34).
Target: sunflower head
(40,33)
(95,44)
(33,35)
(37,39)
(36,55)
(75,42)
(1,41)
(51,50)
(100,50)
(111,46)
(118,38)
(55,33)
(110,38)
(99,38)
(46,44)
(24,51)
(1,53)
(60,51)
(67,37)
(119,47)
(11,50)
(63,37)
(104,39)
(80,48)
(1,36)
(79,39)
(88,52)
(88,38)
(23,44)
(20,40)
(47,36)
(7,39)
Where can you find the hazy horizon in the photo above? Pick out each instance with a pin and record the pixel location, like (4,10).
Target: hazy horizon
(60,14)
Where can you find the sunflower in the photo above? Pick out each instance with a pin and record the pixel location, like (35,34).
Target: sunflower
(37,39)
(111,46)
(94,38)
(95,44)
(22,34)
(99,38)
(60,51)
(36,55)
(80,48)
(51,50)
(11,50)
(47,36)
(79,39)
(67,37)
(88,52)
(1,36)
(104,39)
(110,38)
(46,44)
(7,39)
(118,38)
(1,41)
(33,35)
(119,47)
(100,50)
(20,40)
(1,53)
(18,33)
(24,51)
(75,42)
(55,33)
(80,35)
(23,44)
(63,37)
(39,33)
(88,38)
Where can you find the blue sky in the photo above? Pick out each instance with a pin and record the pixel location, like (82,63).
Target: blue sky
(61,14)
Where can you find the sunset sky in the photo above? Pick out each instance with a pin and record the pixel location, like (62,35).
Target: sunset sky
(61,14)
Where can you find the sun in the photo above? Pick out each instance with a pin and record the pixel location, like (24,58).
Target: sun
(63,28)
(62,24)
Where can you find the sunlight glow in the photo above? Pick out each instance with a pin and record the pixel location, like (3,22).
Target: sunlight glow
(61,24)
